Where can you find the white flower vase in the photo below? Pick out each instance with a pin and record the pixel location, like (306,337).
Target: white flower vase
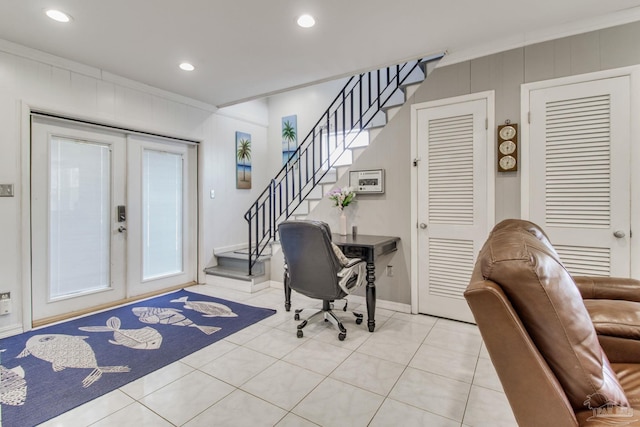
(343,223)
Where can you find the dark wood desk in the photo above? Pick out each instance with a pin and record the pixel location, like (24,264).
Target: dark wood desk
(367,247)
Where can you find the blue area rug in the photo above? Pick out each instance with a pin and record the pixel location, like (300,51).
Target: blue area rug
(46,372)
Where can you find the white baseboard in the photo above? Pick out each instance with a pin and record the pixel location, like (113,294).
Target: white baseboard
(11,330)
(238,285)
(387,305)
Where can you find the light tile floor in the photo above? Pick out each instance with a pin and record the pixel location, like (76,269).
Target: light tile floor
(414,370)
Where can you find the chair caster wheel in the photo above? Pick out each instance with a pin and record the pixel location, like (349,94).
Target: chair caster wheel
(300,334)
(342,336)
(358,320)
(296,317)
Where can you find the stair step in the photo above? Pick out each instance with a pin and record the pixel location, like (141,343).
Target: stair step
(410,89)
(330,177)
(303,209)
(357,152)
(391,111)
(316,193)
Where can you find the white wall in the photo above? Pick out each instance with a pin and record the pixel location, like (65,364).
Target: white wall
(27,79)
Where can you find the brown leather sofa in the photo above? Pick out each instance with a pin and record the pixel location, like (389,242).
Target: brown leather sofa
(537,323)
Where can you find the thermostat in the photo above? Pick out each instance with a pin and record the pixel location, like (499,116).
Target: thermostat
(367,182)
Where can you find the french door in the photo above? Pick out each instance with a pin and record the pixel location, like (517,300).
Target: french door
(113,216)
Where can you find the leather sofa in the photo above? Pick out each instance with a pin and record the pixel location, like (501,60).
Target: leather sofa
(565,349)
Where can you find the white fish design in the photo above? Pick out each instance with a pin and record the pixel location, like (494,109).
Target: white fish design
(13,387)
(209,309)
(145,338)
(168,316)
(68,351)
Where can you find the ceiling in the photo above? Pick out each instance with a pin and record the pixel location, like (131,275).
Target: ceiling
(245,49)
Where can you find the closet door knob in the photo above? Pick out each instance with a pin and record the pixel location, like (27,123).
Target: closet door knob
(423,225)
(619,234)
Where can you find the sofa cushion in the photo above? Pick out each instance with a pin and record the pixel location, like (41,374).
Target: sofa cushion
(615,318)
(552,310)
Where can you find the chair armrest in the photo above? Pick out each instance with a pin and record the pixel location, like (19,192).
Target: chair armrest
(619,288)
(352,275)
(352,262)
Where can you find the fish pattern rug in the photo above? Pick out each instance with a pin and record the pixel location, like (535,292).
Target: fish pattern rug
(48,371)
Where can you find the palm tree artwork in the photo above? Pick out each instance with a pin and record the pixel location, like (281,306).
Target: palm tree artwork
(243,160)
(289,137)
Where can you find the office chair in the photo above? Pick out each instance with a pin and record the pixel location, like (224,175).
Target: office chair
(315,267)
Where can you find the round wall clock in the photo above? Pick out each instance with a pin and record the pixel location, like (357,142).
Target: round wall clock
(507,132)
(507,163)
(507,147)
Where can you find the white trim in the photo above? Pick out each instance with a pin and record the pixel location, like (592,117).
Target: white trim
(230,248)
(525,90)
(11,330)
(540,35)
(489,96)
(384,304)
(242,117)
(357,299)
(99,74)
(25,213)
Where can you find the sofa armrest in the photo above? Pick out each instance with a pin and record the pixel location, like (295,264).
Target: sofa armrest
(615,288)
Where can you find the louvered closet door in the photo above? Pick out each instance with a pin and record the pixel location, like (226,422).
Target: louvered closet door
(580,173)
(452,204)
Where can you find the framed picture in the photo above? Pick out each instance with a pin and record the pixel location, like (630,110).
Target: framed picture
(243,160)
(289,137)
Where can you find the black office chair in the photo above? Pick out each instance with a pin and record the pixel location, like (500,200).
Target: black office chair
(315,267)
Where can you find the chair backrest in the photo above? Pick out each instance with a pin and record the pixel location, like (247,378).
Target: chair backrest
(312,265)
(536,328)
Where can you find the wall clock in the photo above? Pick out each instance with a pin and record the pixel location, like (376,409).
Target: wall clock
(508,147)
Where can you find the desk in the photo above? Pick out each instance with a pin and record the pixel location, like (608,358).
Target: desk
(367,247)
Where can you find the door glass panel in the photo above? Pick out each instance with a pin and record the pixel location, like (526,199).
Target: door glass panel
(162,209)
(80,217)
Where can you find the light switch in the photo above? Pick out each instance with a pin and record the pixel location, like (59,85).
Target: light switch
(6,190)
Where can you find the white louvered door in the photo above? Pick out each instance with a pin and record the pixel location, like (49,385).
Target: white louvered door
(452,203)
(579,173)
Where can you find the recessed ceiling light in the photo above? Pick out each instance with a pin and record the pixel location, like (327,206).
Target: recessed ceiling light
(306,21)
(187,67)
(57,15)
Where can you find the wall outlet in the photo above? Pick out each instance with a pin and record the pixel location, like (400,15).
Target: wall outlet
(5,303)
(389,270)
(6,190)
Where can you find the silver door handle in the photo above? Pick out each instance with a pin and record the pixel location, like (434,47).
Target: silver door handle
(423,225)
(122,229)
(619,234)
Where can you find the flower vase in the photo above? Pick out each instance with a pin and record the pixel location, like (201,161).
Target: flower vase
(343,224)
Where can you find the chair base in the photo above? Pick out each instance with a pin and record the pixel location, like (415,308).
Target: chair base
(329,316)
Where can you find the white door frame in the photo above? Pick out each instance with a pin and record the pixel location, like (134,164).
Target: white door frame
(489,96)
(525,146)
(25,110)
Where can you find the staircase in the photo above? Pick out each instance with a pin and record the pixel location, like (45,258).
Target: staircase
(364,106)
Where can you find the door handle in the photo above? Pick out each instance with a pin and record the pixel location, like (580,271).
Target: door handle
(423,225)
(619,234)
(122,229)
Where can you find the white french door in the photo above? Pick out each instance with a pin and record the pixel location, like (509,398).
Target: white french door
(113,216)
(454,200)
